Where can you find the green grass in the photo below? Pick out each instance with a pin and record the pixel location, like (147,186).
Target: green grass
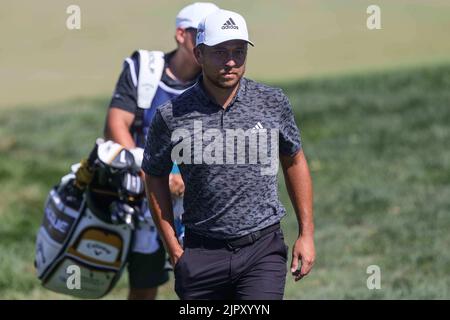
(378,151)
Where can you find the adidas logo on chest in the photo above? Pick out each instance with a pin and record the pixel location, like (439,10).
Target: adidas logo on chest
(258,126)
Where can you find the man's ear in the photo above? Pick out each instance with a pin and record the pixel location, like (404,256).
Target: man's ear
(198,55)
(180,35)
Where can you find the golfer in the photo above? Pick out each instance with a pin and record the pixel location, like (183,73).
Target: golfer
(233,247)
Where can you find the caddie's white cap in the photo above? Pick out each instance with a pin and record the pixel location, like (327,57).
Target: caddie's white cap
(191,15)
(221,26)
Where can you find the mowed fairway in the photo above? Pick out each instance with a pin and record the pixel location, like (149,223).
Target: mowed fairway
(41,61)
(378,150)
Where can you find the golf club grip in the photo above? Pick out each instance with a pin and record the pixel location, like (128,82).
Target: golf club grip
(92,156)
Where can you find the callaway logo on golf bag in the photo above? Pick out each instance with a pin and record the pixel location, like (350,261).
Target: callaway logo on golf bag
(88,222)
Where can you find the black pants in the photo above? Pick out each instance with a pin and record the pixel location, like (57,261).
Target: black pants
(146,270)
(210,269)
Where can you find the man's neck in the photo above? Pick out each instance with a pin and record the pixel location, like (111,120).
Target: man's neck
(222,96)
(179,69)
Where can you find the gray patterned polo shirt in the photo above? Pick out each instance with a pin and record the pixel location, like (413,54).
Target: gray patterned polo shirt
(228,158)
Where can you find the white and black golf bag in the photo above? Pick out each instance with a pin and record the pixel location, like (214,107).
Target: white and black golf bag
(87,231)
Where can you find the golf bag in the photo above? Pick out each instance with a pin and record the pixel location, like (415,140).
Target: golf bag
(87,231)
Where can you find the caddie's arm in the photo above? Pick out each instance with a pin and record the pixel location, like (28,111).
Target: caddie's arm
(299,186)
(117,127)
(121,112)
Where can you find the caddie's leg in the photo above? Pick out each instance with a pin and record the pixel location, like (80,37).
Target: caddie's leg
(142,294)
(146,272)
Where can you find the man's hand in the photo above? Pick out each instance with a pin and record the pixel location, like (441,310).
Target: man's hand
(176,185)
(175,256)
(305,252)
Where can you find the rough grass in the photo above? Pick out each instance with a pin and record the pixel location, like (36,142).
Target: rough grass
(378,151)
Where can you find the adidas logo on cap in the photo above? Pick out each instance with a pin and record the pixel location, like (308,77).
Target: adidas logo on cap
(221,26)
(230,24)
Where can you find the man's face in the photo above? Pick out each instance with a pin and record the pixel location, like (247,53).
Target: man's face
(223,64)
(186,42)
(190,34)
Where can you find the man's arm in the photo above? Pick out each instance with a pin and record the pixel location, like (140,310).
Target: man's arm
(122,108)
(158,194)
(299,186)
(117,127)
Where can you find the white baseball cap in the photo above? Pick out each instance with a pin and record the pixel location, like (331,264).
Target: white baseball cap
(191,15)
(221,26)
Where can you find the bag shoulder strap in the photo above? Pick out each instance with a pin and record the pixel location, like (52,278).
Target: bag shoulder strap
(150,71)
(151,66)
